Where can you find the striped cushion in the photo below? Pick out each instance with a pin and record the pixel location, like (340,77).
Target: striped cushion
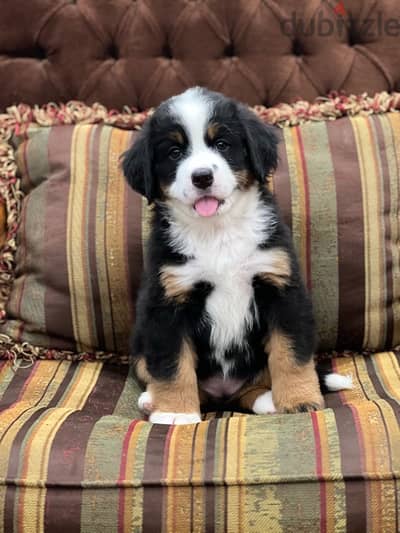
(80,240)
(73,459)
(79,253)
(338,185)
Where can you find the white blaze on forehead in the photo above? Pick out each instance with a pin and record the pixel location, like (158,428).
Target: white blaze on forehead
(193,110)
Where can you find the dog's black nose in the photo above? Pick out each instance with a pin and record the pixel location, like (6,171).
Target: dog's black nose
(202,178)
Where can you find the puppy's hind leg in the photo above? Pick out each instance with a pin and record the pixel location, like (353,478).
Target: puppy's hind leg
(145,402)
(257,397)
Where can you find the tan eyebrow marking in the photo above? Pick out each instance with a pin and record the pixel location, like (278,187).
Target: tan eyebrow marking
(212,130)
(176,136)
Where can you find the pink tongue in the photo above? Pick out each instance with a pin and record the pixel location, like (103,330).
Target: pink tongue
(207,206)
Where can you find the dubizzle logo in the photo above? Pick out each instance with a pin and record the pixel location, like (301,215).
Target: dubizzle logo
(336,19)
(340,9)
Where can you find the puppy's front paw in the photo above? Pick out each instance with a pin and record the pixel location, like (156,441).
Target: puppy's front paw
(303,407)
(159,417)
(264,404)
(300,405)
(298,397)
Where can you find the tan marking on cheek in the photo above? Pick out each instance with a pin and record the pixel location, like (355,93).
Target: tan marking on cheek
(279,272)
(176,136)
(295,386)
(270,183)
(179,395)
(249,393)
(141,370)
(172,287)
(245,179)
(164,192)
(212,130)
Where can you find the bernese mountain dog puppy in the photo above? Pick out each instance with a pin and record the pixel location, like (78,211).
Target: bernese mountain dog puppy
(222,313)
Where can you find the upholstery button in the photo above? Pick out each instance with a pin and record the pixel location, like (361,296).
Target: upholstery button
(297,49)
(229,50)
(36,53)
(113,51)
(355,35)
(166,51)
(40,53)
(352,40)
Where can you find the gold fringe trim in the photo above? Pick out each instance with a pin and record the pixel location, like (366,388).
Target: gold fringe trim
(17,118)
(11,350)
(330,108)
(334,106)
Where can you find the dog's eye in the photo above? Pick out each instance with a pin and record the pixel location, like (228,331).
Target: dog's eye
(221,145)
(175,153)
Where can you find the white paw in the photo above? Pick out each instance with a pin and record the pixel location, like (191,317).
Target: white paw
(145,402)
(337,382)
(159,417)
(264,404)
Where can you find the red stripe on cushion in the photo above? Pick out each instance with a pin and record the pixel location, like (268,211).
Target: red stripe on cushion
(319,468)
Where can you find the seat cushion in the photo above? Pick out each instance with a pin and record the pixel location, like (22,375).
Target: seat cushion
(75,456)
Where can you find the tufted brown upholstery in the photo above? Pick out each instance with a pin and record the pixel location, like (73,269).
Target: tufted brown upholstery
(137,53)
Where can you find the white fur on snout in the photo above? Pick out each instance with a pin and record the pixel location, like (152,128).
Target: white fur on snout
(159,417)
(224,181)
(264,404)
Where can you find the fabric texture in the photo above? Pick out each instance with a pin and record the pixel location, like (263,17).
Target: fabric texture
(79,253)
(138,53)
(73,458)
(73,259)
(338,188)
(3,224)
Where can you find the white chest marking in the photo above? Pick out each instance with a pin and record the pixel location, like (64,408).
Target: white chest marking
(225,254)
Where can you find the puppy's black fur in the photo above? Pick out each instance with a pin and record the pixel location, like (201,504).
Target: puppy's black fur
(163,323)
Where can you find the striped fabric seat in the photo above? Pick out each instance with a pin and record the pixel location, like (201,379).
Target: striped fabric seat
(76,457)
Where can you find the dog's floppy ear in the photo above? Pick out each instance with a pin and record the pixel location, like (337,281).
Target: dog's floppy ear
(261,144)
(137,165)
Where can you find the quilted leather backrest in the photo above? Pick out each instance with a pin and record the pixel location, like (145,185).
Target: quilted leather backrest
(136,53)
